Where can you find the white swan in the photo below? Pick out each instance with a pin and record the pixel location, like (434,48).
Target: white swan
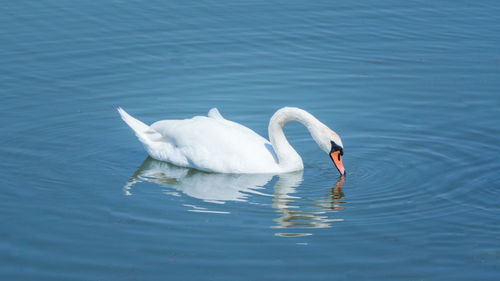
(216,144)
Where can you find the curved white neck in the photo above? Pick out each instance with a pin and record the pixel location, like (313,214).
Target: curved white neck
(288,158)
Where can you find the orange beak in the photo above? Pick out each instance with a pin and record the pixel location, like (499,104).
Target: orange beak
(337,160)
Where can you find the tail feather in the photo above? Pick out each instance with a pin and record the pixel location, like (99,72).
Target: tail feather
(144,132)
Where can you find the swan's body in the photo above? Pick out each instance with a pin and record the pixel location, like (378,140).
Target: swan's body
(216,144)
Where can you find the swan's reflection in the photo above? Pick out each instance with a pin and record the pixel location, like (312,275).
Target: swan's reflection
(209,187)
(297,213)
(294,212)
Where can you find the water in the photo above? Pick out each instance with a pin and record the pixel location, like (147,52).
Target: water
(412,87)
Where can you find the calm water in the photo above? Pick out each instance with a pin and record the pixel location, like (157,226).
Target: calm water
(412,87)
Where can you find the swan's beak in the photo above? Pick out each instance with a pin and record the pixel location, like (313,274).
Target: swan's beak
(337,160)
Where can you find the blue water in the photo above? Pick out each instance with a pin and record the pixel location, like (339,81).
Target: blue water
(412,87)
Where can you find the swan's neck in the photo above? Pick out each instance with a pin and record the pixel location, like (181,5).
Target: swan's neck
(288,158)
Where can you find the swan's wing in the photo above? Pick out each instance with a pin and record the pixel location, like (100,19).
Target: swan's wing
(216,144)
(215,114)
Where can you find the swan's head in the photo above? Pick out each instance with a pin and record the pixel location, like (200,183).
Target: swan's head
(330,142)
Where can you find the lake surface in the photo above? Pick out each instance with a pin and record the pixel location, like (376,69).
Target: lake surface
(412,87)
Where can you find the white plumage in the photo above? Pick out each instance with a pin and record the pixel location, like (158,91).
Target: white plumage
(215,144)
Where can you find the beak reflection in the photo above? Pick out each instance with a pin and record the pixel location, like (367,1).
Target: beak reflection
(338,195)
(298,215)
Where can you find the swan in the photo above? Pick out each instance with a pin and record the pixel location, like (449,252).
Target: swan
(214,144)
